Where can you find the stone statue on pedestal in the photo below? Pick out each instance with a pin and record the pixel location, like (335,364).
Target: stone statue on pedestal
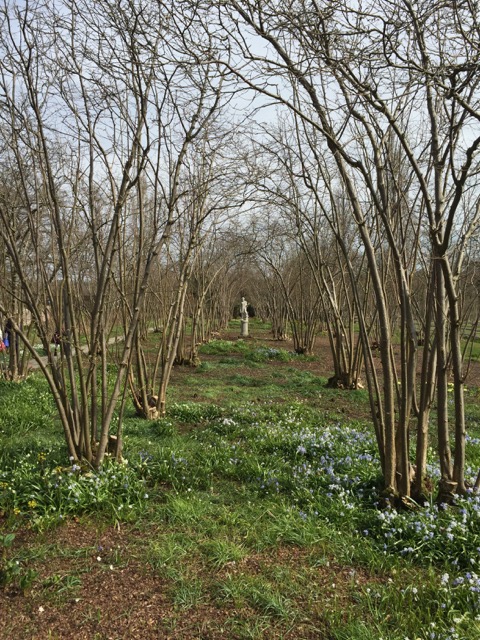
(244,318)
(243,309)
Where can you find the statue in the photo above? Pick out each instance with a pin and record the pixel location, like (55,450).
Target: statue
(243,309)
(244,316)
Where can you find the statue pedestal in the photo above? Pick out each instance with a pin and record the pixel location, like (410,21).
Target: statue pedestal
(244,331)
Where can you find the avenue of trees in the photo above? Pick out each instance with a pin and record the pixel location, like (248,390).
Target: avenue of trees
(160,159)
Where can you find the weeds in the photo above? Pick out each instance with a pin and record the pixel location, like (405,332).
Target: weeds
(14,574)
(32,487)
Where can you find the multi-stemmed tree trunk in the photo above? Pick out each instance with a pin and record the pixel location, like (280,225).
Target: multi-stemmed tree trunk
(198,203)
(272,305)
(72,192)
(306,212)
(212,265)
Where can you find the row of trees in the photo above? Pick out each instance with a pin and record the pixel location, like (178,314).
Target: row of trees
(113,176)
(124,189)
(384,103)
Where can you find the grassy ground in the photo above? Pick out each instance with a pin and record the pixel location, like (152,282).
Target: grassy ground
(250,511)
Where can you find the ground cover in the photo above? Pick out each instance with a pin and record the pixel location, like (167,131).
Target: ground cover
(249,511)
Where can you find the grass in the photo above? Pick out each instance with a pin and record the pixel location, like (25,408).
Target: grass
(230,380)
(251,517)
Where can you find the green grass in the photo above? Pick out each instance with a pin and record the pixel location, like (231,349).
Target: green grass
(260,595)
(257,514)
(229,381)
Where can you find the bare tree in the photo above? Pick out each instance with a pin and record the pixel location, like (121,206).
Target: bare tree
(386,88)
(91,101)
(203,199)
(299,193)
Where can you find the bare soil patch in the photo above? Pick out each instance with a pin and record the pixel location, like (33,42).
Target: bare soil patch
(119,595)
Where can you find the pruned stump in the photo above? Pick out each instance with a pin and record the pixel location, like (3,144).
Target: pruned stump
(301,351)
(150,412)
(112,445)
(446,491)
(195,361)
(344,382)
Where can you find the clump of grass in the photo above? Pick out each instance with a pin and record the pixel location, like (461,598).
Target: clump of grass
(14,572)
(241,380)
(264,354)
(27,409)
(187,593)
(219,347)
(61,586)
(204,367)
(222,552)
(180,509)
(242,590)
(175,466)
(167,554)
(192,412)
